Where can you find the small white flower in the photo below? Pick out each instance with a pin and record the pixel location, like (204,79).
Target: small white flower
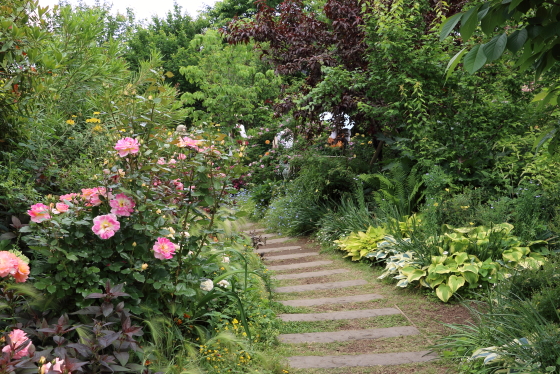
(225,260)
(445,252)
(223,283)
(207,285)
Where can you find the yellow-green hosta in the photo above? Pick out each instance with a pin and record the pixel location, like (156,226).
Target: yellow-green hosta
(358,244)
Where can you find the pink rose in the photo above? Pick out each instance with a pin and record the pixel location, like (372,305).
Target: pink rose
(61,208)
(182,156)
(8,263)
(122,205)
(18,340)
(161,161)
(127,145)
(164,249)
(105,226)
(188,142)
(39,213)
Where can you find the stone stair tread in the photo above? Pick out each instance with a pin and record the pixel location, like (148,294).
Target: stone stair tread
(346,335)
(325,362)
(321,286)
(277,240)
(331,300)
(311,274)
(331,316)
(292,256)
(299,265)
(278,249)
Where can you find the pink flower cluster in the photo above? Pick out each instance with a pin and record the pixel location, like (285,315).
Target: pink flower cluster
(91,195)
(18,342)
(122,205)
(188,142)
(127,146)
(56,367)
(105,226)
(164,249)
(10,264)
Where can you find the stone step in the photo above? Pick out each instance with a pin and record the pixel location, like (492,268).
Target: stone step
(320,286)
(311,274)
(325,362)
(292,256)
(343,336)
(350,314)
(278,249)
(332,300)
(300,265)
(277,240)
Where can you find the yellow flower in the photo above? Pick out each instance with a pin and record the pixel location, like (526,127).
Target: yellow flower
(74,116)
(235,321)
(70,122)
(471,223)
(96,113)
(370,142)
(222,268)
(144,266)
(97,128)
(447,189)
(465,207)
(436,204)
(158,211)
(134,244)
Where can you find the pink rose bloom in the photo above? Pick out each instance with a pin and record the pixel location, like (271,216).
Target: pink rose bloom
(122,205)
(172,161)
(39,213)
(22,271)
(188,142)
(8,263)
(127,145)
(61,208)
(178,185)
(105,226)
(161,161)
(164,249)
(91,195)
(71,197)
(182,156)
(18,339)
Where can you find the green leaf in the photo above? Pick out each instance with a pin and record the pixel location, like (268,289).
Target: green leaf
(517,40)
(469,22)
(416,274)
(452,64)
(441,269)
(444,292)
(495,47)
(139,277)
(455,282)
(51,288)
(448,25)
(474,60)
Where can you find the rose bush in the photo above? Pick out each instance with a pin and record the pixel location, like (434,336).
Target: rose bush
(147,221)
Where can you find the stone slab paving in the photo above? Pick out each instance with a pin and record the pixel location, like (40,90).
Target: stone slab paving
(300,265)
(325,362)
(343,336)
(332,300)
(277,240)
(311,274)
(278,249)
(351,314)
(320,286)
(292,256)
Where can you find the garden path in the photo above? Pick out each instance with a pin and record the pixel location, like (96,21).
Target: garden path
(334,323)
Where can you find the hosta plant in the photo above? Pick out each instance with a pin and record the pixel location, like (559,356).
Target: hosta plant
(359,244)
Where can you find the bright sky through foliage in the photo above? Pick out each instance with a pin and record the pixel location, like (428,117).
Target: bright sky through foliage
(146,8)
